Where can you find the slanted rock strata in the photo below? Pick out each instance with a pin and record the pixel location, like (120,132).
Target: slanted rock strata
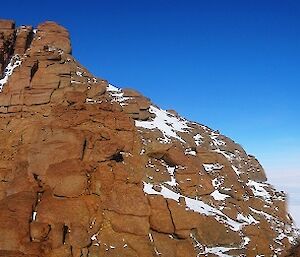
(88,169)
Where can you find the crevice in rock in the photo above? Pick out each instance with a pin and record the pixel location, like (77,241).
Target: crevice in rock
(29,39)
(65,232)
(173,223)
(38,180)
(118,157)
(33,70)
(84,147)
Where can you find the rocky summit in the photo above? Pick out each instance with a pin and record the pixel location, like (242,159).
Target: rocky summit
(89,169)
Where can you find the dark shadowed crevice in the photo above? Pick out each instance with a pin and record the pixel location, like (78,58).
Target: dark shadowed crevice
(65,232)
(34,70)
(83,148)
(118,157)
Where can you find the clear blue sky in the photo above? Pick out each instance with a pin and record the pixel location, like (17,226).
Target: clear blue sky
(231,65)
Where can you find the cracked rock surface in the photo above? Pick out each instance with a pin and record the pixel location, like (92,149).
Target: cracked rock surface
(88,169)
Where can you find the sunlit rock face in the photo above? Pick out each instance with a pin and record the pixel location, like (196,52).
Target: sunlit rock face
(89,169)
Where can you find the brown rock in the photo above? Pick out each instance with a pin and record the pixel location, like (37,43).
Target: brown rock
(79,236)
(39,231)
(50,145)
(74,168)
(122,198)
(52,210)
(7,24)
(96,89)
(137,225)
(51,34)
(67,178)
(23,39)
(160,218)
(211,232)
(182,219)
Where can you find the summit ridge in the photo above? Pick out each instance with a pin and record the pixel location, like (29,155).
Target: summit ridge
(90,169)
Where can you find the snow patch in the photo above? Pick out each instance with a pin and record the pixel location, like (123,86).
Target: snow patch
(166,122)
(14,63)
(195,205)
(198,139)
(258,190)
(117,94)
(209,167)
(219,196)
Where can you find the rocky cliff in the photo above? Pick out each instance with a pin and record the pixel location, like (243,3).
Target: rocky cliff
(88,169)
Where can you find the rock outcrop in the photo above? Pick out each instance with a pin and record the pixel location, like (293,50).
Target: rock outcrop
(88,169)
(295,251)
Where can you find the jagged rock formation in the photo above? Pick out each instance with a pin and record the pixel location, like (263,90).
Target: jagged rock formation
(88,169)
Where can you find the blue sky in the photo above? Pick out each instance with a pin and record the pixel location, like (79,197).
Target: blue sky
(231,65)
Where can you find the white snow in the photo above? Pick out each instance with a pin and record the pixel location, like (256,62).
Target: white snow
(236,170)
(215,140)
(190,152)
(171,171)
(277,225)
(166,122)
(112,88)
(258,190)
(229,156)
(246,241)
(198,139)
(249,219)
(34,215)
(195,205)
(219,196)
(209,167)
(14,62)
(94,237)
(79,73)
(117,94)
(219,251)
(217,182)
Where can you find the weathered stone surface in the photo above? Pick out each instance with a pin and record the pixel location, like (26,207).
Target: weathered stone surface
(52,145)
(23,39)
(160,218)
(212,232)
(128,199)
(137,225)
(67,178)
(85,170)
(7,24)
(39,231)
(52,35)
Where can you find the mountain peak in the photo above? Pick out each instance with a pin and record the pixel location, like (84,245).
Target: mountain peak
(90,169)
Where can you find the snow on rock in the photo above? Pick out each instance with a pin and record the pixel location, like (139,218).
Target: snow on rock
(171,126)
(166,122)
(190,152)
(258,189)
(215,139)
(15,61)
(277,225)
(209,167)
(219,196)
(198,139)
(171,171)
(219,251)
(117,94)
(196,205)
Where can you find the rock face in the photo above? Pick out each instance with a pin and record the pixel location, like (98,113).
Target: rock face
(295,251)
(88,169)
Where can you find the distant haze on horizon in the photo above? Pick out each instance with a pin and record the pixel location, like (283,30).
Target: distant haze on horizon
(231,65)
